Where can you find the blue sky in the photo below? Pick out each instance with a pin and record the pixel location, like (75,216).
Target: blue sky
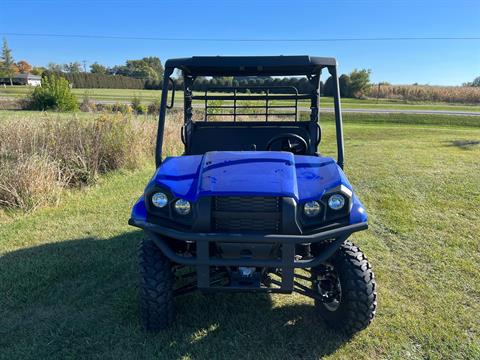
(446,62)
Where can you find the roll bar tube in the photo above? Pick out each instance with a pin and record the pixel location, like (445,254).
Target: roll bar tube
(336,102)
(161,117)
(338,116)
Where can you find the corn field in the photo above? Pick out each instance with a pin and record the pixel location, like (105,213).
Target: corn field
(448,94)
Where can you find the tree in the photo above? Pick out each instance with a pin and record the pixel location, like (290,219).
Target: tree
(24,67)
(7,62)
(73,67)
(38,70)
(329,87)
(149,68)
(97,68)
(359,82)
(476,82)
(345,85)
(155,63)
(53,67)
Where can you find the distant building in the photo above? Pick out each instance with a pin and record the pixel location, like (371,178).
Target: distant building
(23,79)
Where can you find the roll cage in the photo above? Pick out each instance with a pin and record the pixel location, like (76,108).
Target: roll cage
(202,136)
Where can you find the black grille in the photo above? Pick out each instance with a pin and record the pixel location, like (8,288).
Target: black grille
(247,214)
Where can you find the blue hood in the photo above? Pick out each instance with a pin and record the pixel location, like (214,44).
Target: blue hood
(260,173)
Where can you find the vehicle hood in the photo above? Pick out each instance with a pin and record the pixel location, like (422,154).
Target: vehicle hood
(249,173)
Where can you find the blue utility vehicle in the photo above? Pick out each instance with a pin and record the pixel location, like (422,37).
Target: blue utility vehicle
(251,205)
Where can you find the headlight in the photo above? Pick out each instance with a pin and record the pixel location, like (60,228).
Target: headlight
(311,208)
(336,202)
(159,200)
(182,207)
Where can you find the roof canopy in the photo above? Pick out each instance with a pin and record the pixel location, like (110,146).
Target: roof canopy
(250,65)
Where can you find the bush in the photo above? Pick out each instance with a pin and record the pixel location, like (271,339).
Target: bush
(122,108)
(137,106)
(87,104)
(103,107)
(141,109)
(54,94)
(154,107)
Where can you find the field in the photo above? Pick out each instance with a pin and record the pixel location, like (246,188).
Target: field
(453,94)
(68,273)
(147,96)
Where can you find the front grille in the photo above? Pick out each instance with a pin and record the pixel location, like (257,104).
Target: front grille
(247,214)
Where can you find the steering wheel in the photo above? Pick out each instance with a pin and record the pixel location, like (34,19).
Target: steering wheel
(290,142)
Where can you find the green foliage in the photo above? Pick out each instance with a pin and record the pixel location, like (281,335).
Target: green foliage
(149,68)
(73,67)
(84,80)
(215,109)
(359,82)
(122,108)
(202,84)
(154,63)
(7,63)
(54,67)
(329,87)
(345,85)
(97,68)
(55,93)
(137,106)
(356,84)
(38,70)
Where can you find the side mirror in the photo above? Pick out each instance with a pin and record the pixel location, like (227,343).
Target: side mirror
(172,99)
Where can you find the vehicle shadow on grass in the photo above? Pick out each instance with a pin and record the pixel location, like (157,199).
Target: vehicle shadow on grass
(463,144)
(77,298)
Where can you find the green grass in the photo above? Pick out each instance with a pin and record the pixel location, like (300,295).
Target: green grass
(68,274)
(147,96)
(325,119)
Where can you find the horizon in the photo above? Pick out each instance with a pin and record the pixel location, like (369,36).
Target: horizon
(414,48)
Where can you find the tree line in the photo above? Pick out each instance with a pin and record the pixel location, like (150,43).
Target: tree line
(147,73)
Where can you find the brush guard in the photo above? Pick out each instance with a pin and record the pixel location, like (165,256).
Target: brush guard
(210,274)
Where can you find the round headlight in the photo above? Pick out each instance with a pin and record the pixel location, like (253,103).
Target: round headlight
(311,208)
(182,207)
(336,202)
(159,200)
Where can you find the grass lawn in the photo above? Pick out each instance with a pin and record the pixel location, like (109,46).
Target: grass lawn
(68,273)
(147,96)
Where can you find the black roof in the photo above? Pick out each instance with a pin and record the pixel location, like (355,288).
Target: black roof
(251,65)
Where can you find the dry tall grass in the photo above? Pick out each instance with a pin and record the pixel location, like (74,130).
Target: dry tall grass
(41,154)
(449,94)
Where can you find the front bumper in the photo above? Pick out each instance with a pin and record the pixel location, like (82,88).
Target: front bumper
(288,243)
(287,261)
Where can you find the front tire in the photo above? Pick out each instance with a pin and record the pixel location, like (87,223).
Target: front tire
(156,287)
(348,289)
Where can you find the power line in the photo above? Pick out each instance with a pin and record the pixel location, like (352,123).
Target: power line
(332,39)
